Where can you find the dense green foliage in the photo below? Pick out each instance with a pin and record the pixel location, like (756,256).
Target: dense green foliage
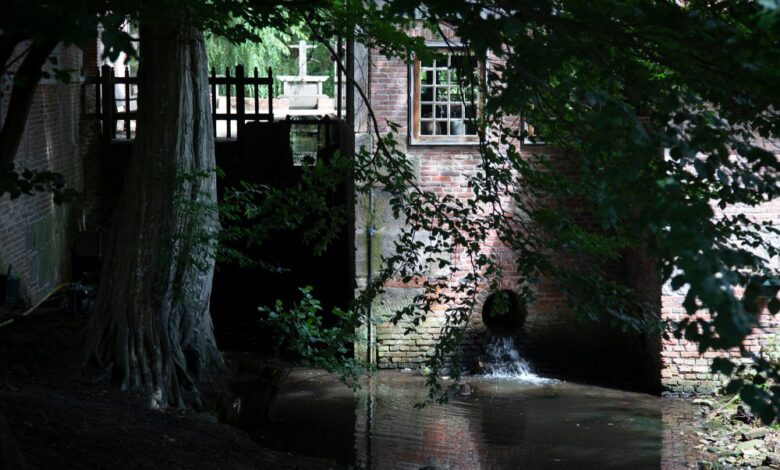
(250,214)
(298,331)
(271,52)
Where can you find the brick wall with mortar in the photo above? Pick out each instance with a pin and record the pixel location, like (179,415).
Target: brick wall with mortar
(35,234)
(551,335)
(683,368)
(441,169)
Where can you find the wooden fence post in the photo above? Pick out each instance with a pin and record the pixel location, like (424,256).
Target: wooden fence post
(107,106)
(270,94)
(127,102)
(240,103)
(227,97)
(213,88)
(98,93)
(256,89)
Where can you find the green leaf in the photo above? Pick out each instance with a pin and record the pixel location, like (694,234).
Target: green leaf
(773,306)
(723,365)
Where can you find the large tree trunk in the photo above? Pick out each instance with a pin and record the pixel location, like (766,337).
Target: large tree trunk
(151,321)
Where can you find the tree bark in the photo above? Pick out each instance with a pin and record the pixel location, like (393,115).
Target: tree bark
(151,321)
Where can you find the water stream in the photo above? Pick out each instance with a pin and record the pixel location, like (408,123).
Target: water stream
(502,424)
(504,362)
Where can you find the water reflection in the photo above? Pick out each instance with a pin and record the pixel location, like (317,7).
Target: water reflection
(502,424)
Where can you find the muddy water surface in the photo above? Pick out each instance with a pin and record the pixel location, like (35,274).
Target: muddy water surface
(501,424)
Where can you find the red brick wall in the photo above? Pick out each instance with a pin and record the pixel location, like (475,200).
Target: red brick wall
(35,234)
(551,333)
(440,169)
(683,368)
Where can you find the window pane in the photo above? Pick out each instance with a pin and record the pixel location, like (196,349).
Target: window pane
(442,77)
(426,127)
(441,94)
(470,112)
(426,77)
(455,94)
(456,110)
(426,111)
(441,110)
(426,93)
(457,127)
(471,128)
(441,127)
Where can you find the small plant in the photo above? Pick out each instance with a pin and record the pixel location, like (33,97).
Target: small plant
(299,331)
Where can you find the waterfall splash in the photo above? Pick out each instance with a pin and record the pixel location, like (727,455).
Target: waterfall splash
(504,362)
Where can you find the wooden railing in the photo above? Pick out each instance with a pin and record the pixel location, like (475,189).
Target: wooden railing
(240,82)
(116,101)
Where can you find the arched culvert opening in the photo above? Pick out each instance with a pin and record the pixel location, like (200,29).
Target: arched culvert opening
(504,312)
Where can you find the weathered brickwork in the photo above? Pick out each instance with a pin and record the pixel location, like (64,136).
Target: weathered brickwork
(684,369)
(35,234)
(443,170)
(551,333)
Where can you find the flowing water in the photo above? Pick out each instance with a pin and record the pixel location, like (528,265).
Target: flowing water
(503,423)
(504,362)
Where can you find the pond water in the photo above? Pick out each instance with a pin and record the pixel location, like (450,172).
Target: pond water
(503,423)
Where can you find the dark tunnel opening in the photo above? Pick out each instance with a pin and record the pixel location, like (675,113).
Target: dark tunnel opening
(504,312)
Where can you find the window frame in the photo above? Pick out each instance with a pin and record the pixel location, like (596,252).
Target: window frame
(414,108)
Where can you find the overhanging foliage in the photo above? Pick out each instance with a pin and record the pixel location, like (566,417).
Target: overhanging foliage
(610,83)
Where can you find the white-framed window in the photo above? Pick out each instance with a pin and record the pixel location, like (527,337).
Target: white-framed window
(443,102)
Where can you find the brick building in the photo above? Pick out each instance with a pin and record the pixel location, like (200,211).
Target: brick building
(444,156)
(684,369)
